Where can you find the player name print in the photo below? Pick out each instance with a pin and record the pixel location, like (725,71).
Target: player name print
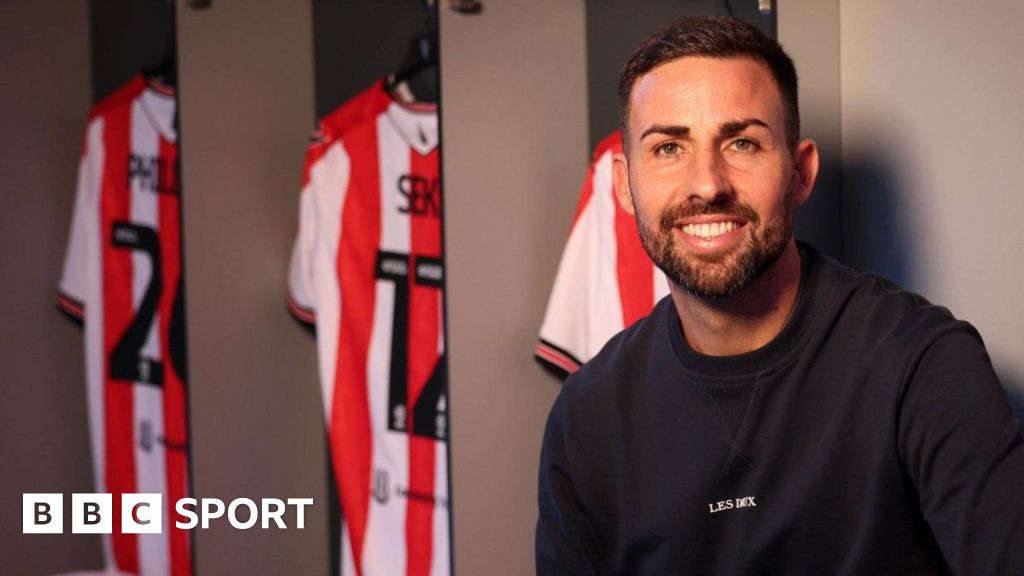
(422,195)
(153,173)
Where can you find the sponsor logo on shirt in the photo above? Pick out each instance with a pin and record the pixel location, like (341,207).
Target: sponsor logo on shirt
(382,491)
(380,486)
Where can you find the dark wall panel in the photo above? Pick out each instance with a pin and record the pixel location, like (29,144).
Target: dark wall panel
(127,36)
(614,28)
(356,42)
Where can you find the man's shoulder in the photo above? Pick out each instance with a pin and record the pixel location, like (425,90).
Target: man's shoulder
(879,309)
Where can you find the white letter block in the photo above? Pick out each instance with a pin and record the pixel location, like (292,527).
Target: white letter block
(92,513)
(42,513)
(142,513)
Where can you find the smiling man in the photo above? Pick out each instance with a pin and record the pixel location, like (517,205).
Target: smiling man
(778,413)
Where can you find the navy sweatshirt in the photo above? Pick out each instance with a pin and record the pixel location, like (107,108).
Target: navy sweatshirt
(870,437)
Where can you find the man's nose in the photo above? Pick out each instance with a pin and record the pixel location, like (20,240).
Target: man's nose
(708,180)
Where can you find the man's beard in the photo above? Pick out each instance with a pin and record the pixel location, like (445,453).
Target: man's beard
(721,274)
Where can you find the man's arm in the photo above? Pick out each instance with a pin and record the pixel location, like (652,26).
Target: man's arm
(963,449)
(564,545)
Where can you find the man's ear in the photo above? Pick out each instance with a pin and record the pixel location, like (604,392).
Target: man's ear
(620,182)
(805,161)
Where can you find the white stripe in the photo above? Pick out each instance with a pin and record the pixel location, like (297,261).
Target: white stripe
(605,290)
(161,111)
(150,454)
(95,362)
(417,129)
(440,564)
(328,185)
(660,283)
(347,566)
(385,547)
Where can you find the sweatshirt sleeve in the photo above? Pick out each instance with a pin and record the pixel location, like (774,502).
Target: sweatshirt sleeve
(564,542)
(962,447)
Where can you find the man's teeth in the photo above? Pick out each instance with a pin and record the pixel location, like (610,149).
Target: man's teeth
(709,230)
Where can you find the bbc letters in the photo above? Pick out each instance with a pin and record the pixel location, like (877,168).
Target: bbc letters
(143,513)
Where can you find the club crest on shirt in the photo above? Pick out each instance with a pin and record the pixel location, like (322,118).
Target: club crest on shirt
(381,486)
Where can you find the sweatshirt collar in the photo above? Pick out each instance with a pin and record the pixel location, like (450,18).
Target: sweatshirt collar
(773,354)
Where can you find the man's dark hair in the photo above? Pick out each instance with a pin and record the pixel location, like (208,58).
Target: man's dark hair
(713,37)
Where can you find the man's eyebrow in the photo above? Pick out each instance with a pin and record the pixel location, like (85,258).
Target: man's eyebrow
(733,128)
(673,131)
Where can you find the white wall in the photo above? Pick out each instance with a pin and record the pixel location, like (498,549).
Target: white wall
(932,134)
(514,139)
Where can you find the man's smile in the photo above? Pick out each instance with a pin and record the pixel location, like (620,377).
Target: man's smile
(709,227)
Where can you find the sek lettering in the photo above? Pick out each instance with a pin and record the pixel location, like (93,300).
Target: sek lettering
(422,195)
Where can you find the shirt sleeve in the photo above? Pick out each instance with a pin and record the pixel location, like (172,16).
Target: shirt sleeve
(962,447)
(301,279)
(74,281)
(584,309)
(564,544)
(301,296)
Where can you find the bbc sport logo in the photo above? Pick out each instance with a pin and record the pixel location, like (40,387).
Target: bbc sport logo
(143,513)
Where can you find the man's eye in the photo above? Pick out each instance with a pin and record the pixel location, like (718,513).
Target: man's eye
(744,145)
(667,149)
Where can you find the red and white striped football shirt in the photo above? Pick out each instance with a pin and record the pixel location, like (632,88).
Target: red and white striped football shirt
(122,277)
(605,280)
(367,269)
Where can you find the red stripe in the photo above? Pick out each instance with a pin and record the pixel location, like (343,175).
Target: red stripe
(350,431)
(303,314)
(71,306)
(555,357)
(157,85)
(634,270)
(174,396)
(363,106)
(117,314)
(415,106)
(424,341)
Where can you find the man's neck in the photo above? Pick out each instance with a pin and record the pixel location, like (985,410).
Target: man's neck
(744,321)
